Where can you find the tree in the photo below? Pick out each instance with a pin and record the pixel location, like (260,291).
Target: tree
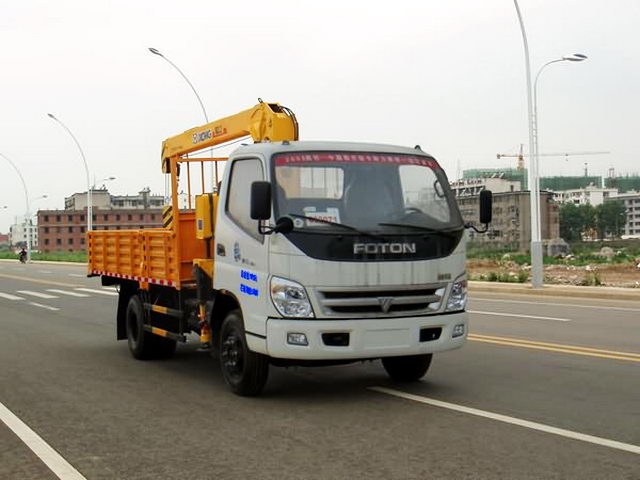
(611,218)
(570,222)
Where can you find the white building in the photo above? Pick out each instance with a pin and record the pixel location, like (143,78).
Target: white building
(103,200)
(590,195)
(18,233)
(632,204)
(467,187)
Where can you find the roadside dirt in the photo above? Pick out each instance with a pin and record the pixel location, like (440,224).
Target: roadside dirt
(612,275)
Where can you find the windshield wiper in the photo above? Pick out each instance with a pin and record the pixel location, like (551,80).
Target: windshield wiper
(336,224)
(449,232)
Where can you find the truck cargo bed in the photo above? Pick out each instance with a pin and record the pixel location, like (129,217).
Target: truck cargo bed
(149,255)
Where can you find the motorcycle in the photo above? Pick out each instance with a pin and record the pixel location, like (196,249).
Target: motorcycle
(22,256)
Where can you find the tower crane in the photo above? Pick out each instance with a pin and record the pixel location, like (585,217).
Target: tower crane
(520,155)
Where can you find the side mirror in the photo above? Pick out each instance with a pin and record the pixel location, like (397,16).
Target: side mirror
(486,206)
(283,225)
(261,200)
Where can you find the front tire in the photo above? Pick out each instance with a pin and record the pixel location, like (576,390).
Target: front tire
(407,369)
(244,371)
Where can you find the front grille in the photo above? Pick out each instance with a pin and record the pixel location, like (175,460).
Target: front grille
(380,301)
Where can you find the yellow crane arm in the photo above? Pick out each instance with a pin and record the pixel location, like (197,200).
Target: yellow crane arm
(264,122)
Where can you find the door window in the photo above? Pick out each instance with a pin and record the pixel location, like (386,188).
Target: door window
(243,174)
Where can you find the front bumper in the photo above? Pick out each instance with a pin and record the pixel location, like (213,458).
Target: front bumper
(368,338)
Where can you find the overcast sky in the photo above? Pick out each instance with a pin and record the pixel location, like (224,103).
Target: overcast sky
(446,75)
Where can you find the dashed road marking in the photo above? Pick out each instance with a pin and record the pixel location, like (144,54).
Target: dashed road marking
(37,294)
(93,290)
(605,442)
(52,459)
(77,275)
(46,307)
(39,280)
(8,296)
(45,271)
(66,292)
(519,315)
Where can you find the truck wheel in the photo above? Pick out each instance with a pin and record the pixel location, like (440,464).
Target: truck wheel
(144,345)
(244,371)
(407,369)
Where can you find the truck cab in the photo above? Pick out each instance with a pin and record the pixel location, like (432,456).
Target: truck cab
(359,253)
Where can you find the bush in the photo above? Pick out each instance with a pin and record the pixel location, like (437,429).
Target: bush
(592,280)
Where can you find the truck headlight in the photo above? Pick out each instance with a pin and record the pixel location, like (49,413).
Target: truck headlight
(458,297)
(290,298)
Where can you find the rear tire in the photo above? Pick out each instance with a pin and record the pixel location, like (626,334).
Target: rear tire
(244,371)
(407,369)
(144,345)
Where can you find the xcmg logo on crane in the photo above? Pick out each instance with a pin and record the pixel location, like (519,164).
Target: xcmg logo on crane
(202,136)
(199,137)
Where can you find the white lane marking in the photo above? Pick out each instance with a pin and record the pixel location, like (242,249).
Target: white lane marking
(45,271)
(8,296)
(541,427)
(519,315)
(65,292)
(36,294)
(52,459)
(92,290)
(46,307)
(77,275)
(624,309)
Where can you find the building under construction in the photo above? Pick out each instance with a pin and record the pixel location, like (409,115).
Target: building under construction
(512,174)
(628,183)
(560,183)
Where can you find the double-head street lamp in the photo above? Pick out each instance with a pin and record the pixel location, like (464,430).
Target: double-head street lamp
(86,169)
(534,179)
(536,233)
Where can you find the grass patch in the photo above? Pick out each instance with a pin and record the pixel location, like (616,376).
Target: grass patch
(80,257)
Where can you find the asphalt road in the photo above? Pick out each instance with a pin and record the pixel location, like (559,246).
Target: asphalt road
(572,364)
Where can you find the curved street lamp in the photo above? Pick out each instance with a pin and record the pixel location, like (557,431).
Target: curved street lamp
(534,194)
(26,199)
(86,169)
(107,179)
(155,51)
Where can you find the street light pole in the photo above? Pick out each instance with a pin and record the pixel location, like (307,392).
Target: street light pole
(26,199)
(86,169)
(534,194)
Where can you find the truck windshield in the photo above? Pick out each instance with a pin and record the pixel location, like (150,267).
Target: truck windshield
(385,193)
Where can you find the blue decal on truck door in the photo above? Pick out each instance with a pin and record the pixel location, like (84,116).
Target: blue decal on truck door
(247,290)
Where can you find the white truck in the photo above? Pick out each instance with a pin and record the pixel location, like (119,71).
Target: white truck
(309,253)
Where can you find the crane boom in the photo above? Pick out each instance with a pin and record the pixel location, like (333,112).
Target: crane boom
(264,122)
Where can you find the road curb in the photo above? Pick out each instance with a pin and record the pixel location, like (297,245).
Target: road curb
(606,293)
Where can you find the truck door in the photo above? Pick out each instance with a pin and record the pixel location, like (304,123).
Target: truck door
(240,251)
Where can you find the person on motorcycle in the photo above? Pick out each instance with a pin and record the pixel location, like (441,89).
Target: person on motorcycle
(22,255)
